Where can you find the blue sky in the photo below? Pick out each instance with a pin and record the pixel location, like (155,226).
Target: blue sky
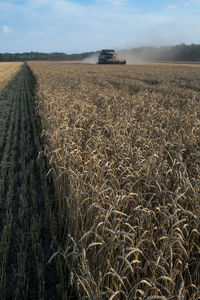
(77,26)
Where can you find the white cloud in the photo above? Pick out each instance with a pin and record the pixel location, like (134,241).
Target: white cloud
(116,2)
(6,29)
(175,4)
(188,2)
(196,1)
(171,6)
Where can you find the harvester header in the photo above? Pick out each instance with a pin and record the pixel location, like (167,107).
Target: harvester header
(108,56)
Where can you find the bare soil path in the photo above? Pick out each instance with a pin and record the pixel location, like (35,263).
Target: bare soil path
(26,198)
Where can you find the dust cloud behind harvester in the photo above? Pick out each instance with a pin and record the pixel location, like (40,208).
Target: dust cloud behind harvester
(154,54)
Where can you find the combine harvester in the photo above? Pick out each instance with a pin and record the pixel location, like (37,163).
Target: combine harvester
(110,57)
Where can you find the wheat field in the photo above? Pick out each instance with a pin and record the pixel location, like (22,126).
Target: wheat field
(99,181)
(123,144)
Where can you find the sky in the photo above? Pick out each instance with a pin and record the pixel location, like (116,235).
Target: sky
(76,26)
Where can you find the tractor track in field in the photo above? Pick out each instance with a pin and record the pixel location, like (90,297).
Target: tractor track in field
(26,243)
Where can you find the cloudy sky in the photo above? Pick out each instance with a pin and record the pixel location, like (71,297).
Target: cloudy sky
(74,26)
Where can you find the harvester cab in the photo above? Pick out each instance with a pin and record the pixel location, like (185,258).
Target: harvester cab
(109,57)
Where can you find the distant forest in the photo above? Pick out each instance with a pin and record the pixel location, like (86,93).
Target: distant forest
(172,53)
(26,56)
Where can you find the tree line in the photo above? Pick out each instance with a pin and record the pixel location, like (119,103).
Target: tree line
(172,53)
(29,56)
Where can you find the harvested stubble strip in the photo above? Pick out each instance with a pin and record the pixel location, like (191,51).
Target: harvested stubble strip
(125,163)
(26,245)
